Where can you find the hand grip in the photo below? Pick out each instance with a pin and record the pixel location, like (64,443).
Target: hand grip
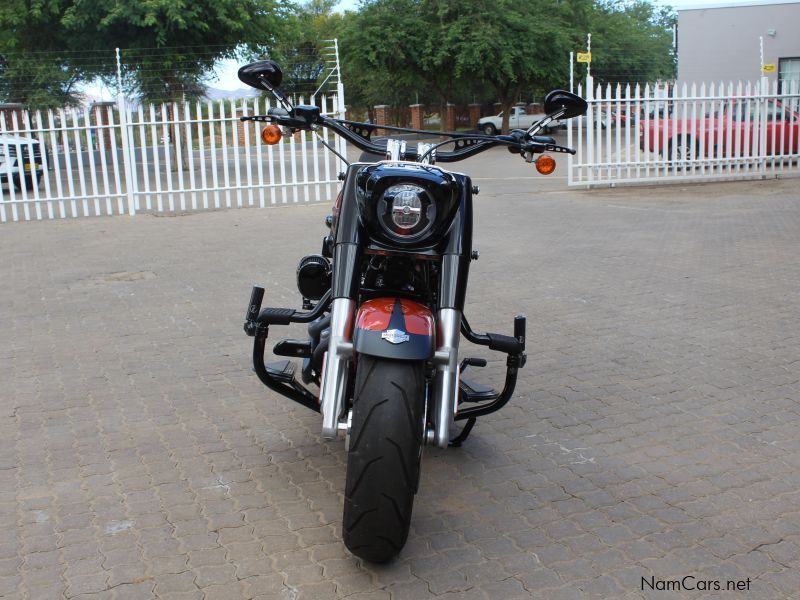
(256,297)
(505,343)
(519,329)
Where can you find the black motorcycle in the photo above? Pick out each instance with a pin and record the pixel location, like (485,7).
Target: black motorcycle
(384,303)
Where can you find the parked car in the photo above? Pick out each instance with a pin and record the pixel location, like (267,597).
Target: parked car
(518,119)
(21,161)
(606,119)
(733,130)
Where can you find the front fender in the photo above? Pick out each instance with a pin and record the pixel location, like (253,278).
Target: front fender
(394,328)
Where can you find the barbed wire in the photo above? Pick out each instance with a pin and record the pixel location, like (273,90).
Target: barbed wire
(140,67)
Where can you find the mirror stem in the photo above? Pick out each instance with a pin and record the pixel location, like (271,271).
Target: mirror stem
(279,95)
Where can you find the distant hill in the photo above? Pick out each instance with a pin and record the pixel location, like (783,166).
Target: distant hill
(215,94)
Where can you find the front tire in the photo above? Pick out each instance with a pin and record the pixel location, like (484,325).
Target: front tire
(384,457)
(31,181)
(489,129)
(685,149)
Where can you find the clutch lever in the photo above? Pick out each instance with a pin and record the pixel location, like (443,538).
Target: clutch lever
(543,139)
(533,148)
(278,119)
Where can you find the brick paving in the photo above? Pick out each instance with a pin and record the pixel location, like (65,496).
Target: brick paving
(654,432)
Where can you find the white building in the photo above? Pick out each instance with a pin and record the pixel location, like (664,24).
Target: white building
(723,43)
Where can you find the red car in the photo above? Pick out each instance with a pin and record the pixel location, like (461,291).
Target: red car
(734,131)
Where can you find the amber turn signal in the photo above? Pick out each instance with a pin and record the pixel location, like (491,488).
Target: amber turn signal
(271,134)
(545,164)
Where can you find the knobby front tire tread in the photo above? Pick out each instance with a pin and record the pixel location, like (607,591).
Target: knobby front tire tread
(383,461)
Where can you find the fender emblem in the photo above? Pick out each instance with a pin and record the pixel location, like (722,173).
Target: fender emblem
(395,336)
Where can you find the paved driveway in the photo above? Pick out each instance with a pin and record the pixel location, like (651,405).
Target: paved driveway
(654,435)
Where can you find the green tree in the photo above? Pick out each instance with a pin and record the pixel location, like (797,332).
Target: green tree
(381,53)
(36,67)
(512,46)
(308,36)
(631,41)
(176,43)
(451,47)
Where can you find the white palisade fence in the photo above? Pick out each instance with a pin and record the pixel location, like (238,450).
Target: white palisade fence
(118,159)
(657,134)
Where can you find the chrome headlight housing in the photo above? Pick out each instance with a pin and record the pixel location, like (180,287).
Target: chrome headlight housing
(406,211)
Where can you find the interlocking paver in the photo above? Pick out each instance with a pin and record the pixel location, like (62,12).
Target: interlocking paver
(654,430)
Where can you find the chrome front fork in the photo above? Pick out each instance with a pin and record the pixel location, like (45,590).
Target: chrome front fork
(445,386)
(334,380)
(340,351)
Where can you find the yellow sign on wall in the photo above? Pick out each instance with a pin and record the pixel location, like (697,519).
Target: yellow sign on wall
(585,57)
(768,68)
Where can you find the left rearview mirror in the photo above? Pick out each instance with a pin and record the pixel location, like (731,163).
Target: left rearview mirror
(568,104)
(263,74)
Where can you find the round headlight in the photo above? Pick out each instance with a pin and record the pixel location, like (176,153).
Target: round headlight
(406,207)
(409,211)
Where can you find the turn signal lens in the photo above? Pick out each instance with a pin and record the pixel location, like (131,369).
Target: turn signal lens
(271,134)
(545,164)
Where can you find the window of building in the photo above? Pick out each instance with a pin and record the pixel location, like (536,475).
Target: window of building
(789,75)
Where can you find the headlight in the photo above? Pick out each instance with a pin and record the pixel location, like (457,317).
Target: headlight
(406,204)
(407,211)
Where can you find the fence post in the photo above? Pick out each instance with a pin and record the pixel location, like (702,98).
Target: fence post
(417,111)
(450,117)
(128,157)
(474,115)
(381,114)
(590,128)
(763,91)
(341,113)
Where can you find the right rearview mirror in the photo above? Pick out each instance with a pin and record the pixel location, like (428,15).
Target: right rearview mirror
(568,104)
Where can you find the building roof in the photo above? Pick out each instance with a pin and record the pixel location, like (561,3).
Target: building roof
(733,4)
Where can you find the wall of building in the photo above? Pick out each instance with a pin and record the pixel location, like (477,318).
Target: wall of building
(723,43)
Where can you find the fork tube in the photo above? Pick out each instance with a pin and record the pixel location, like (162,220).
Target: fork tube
(335,378)
(445,390)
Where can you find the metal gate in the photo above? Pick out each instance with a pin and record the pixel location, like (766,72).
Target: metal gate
(663,133)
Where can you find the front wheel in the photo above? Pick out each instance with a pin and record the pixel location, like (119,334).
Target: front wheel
(685,149)
(384,457)
(31,181)
(489,129)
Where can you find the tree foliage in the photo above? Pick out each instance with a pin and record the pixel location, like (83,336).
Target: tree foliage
(505,50)
(176,44)
(632,42)
(309,34)
(34,67)
(48,46)
(393,51)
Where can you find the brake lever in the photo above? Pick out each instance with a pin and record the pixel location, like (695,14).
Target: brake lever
(539,148)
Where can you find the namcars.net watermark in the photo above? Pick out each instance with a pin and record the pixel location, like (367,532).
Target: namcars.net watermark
(691,583)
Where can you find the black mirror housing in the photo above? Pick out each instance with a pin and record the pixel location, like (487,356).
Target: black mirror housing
(263,74)
(571,104)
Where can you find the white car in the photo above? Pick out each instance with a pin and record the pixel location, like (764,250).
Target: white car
(518,119)
(20,161)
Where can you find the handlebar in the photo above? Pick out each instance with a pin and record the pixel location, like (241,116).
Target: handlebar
(309,118)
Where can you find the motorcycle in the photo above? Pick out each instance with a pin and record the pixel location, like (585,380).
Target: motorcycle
(384,304)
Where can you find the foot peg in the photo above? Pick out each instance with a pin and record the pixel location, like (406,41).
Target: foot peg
(475,392)
(296,348)
(472,362)
(282,370)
